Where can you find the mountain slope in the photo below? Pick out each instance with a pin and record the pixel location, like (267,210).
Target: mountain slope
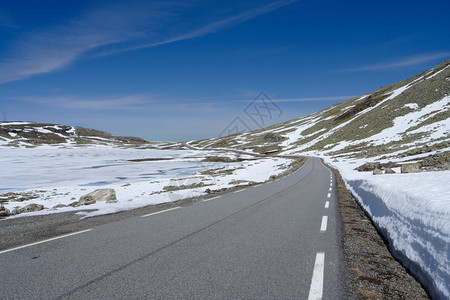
(393,120)
(32,134)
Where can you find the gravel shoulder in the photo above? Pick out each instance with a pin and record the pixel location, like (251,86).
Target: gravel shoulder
(373,272)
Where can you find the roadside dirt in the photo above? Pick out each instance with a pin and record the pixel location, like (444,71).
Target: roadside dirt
(373,272)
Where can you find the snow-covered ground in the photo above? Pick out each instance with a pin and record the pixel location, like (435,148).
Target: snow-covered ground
(413,212)
(61,175)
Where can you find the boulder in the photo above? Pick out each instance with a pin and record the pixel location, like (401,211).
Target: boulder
(74,204)
(369,166)
(389,171)
(31,207)
(108,195)
(16,210)
(411,168)
(59,206)
(377,172)
(4,212)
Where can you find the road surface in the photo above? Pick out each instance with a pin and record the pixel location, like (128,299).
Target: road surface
(279,240)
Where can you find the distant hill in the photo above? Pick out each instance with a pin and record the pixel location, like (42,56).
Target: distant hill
(30,134)
(399,120)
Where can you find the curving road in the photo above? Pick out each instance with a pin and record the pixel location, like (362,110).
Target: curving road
(280,240)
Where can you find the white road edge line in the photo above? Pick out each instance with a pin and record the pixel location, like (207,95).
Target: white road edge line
(329,195)
(206,200)
(44,241)
(316,289)
(239,191)
(160,212)
(327,204)
(323,226)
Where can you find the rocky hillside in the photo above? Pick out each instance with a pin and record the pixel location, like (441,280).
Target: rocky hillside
(31,134)
(400,120)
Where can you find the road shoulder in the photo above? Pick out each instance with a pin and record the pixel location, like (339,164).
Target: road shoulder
(373,272)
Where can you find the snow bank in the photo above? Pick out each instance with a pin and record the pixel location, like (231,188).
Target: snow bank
(413,213)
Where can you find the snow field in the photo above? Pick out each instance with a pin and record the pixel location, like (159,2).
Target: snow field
(63,175)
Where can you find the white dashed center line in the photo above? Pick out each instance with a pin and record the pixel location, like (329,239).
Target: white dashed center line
(323,226)
(316,289)
(329,195)
(327,204)
(44,241)
(206,200)
(159,212)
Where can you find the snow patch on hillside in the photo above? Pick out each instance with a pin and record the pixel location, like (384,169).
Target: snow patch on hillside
(438,72)
(403,123)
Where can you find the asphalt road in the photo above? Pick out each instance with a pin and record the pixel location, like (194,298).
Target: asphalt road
(266,241)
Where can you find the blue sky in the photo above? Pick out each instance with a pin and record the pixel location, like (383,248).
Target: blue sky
(180,70)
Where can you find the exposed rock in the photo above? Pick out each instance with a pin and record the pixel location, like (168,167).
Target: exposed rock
(389,171)
(368,167)
(131,139)
(208,191)
(17,210)
(43,133)
(371,166)
(59,206)
(436,162)
(377,172)
(4,212)
(335,160)
(273,137)
(85,200)
(411,168)
(108,195)
(32,207)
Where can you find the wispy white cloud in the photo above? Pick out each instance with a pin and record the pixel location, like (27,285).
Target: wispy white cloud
(120,102)
(213,27)
(47,51)
(113,27)
(134,102)
(406,62)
